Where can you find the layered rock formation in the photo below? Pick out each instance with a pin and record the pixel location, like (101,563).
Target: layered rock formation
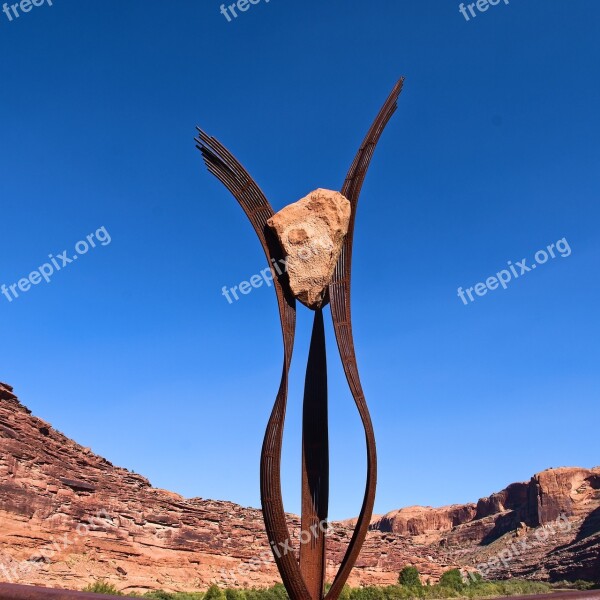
(68,517)
(424,522)
(547,528)
(573,492)
(311,233)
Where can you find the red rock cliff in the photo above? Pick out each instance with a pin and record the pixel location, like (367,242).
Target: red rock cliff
(68,517)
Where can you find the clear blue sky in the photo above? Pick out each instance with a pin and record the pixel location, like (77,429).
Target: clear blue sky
(493,155)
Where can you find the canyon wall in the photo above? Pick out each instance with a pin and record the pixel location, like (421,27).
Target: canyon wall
(69,517)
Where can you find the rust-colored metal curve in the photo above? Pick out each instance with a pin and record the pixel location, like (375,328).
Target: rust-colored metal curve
(229,171)
(339,294)
(304,579)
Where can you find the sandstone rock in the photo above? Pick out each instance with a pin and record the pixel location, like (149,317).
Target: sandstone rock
(562,491)
(419,521)
(555,515)
(311,233)
(92,520)
(515,497)
(522,529)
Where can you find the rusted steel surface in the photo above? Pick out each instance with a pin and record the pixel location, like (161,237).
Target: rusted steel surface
(258,210)
(339,294)
(315,463)
(304,579)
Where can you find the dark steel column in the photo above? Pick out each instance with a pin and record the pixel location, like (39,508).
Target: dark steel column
(315,464)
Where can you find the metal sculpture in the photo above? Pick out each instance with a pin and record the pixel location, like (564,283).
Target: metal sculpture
(304,579)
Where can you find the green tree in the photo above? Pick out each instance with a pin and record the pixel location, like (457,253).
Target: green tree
(214,592)
(452,579)
(277,592)
(409,576)
(232,594)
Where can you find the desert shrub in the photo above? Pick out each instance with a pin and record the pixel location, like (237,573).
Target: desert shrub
(101,586)
(452,579)
(513,587)
(448,588)
(579,584)
(441,591)
(253,594)
(401,592)
(523,587)
(232,594)
(159,595)
(409,576)
(277,592)
(367,593)
(214,592)
(483,589)
(345,593)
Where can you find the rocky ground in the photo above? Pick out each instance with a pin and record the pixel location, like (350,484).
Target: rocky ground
(68,517)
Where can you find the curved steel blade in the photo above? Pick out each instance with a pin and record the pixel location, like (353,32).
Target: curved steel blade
(339,294)
(229,171)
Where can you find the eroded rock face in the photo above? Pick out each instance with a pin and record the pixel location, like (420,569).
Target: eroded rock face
(547,528)
(311,233)
(422,520)
(88,519)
